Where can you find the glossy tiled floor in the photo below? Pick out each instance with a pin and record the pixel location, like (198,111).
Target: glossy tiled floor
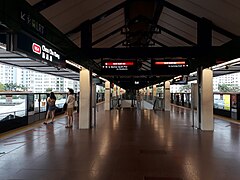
(126,145)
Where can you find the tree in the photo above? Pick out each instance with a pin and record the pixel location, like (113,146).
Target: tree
(49,90)
(2,87)
(185,88)
(228,88)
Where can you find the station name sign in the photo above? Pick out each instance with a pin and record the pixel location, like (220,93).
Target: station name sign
(38,50)
(46,53)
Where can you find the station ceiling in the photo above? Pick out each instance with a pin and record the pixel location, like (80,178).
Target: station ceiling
(128,24)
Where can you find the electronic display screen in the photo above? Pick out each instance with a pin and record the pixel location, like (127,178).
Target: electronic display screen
(170,67)
(118,67)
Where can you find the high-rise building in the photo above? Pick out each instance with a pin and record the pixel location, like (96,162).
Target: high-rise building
(35,81)
(8,74)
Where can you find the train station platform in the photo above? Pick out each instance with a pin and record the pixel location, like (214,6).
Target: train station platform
(127,144)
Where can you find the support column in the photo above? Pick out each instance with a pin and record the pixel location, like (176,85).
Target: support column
(194,104)
(154,90)
(148,93)
(107,96)
(114,91)
(85,108)
(167,96)
(207,100)
(199,87)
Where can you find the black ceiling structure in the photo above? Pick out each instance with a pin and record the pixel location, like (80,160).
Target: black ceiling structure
(136,30)
(141,19)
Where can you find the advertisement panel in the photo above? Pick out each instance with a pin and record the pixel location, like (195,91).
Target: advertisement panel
(222,101)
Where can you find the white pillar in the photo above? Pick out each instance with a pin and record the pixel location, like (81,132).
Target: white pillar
(154,90)
(194,104)
(167,96)
(85,99)
(148,93)
(114,91)
(207,100)
(107,95)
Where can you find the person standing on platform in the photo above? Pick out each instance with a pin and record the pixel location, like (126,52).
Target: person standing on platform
(139,100)
(70,107)
(51,106)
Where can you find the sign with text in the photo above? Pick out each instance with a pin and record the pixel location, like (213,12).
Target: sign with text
(170,67)
(39,50)
(119,67)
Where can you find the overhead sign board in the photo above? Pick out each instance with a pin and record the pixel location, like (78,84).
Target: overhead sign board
(119,67)
(38,50)
(170,67)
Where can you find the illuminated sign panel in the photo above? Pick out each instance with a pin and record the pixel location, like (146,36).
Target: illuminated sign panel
(118,67)
(170,67)
(38,50)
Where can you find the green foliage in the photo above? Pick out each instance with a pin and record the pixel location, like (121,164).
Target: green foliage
(49,90)
(58,96)
(13,87)
(228,88)
(185,88)
(2,88)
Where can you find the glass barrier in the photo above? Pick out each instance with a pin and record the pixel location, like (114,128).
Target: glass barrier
(12,106)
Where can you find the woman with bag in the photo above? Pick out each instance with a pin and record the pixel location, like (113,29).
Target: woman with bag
(70,107)
(51,107)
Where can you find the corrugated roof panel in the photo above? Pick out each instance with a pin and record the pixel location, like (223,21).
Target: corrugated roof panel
(68,14)
(109,42)
(219,39)
(164,40)
(179,25)
(223,13)
(108,25)
(33,2)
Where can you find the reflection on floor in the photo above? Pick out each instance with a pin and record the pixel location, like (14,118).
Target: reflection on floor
(127,144)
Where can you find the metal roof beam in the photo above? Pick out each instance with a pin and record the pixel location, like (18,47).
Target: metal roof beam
(108,12)
(223,32)
(108,35)
(117,44)
(176,35)
(181,11)
(44,4)
(157,42)
(98,18)
(153,52)
(197,19)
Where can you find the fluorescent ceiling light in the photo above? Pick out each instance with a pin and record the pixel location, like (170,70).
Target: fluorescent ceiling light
(223,65)
(103,79)
(74,64)
(3,47)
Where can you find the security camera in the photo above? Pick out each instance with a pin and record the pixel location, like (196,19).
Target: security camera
(58,68)
(226,67)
